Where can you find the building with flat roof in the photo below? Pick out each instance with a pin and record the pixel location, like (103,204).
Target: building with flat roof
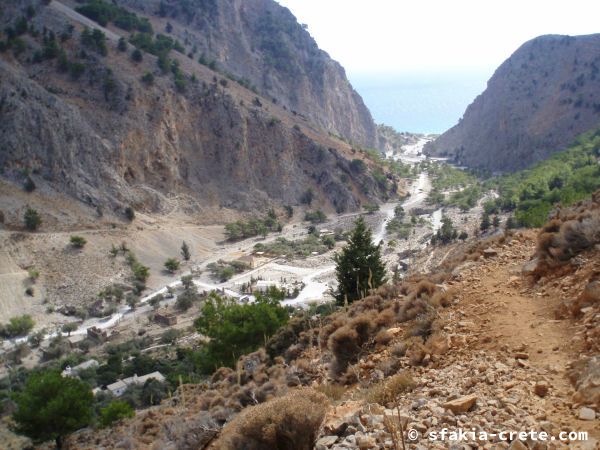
(120,386)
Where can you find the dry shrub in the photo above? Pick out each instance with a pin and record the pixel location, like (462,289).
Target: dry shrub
(385,318)
(344,346)
(287,335)
(370,303)
(291,422)
(389,366)
(266,392)
(293,352)
(423,325)
(411,308)
(399,350)
(225,374)
(443,297)
(390,291)
(363,326)
(349,377)
(333,392)
(390,389)
(424,287)
(437,344)
(346,342)
(337,320)
(189,433)
(570,232)
(383,338)
(552,226)
(416,351)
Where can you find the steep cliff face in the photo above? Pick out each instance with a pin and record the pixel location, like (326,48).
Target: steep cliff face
(82,119)
(261,41)
(537,102)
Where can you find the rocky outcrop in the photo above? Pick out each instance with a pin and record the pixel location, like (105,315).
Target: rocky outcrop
(262,42)
(537,102)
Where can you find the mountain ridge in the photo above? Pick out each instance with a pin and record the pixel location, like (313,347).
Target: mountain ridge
(115,131)
(542,97)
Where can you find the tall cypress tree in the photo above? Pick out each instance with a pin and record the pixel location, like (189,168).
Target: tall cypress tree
(359,266)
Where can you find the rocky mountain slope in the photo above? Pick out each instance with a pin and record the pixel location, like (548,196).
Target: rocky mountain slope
(502,337)
(261,41)
(536,103)
(114,124)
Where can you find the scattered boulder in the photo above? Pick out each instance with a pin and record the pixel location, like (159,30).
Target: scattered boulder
(366,442)
(461,405)
(490,252)
(541,388)
(584,375)
(590,295)
(530,267)
(587,414)
(326,441)
(517,445)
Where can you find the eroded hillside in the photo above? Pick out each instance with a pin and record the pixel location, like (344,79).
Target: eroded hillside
(119,124)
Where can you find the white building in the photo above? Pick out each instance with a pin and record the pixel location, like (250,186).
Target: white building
(120,386)
(74,371)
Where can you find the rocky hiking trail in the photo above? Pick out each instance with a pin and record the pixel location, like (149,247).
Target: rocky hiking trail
(503,367)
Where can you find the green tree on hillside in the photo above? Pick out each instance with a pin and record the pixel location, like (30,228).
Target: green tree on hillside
(359,266)
(32,219)
(236,329)
(485,222)
(52,406)
(115,411)
(185,251)
(172,265)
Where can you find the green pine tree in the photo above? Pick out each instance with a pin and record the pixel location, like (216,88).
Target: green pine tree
(485,222)
(359,267)
(51,406)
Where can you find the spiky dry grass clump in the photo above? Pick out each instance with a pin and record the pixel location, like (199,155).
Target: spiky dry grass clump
(383,338)
(570,232)
(389,390)
(290,422)
(333,392)
(363,327)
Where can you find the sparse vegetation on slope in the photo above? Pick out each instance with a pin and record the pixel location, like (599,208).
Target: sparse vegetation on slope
(563,179)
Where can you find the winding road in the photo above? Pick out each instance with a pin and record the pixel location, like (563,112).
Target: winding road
(313,290)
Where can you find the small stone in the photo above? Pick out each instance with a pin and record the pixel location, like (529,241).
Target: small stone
(517,445)
(490,252)
(366,442)
(327,441)
(541,388)
(587,414)
(461,405)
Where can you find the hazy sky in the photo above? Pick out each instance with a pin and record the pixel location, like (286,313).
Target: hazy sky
(375,36)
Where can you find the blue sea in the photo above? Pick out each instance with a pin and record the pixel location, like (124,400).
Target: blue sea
(420,102)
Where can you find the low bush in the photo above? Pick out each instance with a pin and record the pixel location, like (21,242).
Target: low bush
(333,392)
(17,326)
(172,265)
(115,411)
(78,241)
(388,391)
(290,422)
(568,233)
